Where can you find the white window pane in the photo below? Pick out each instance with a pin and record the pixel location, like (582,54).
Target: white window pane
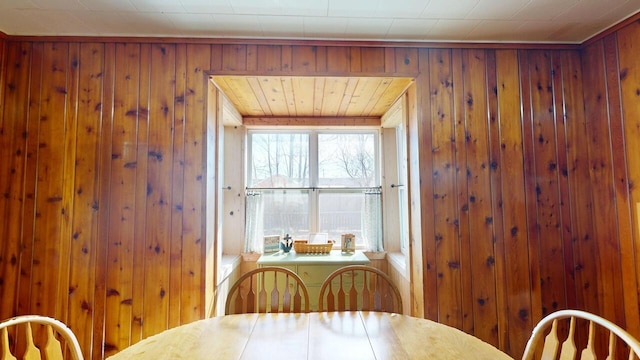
(347,160)
(278,160)
(341,213)
(286,212)
(403,196)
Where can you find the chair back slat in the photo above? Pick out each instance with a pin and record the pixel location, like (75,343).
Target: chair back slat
(53,339)
(275,296)
(367,288)
(297,298)
(367,295)
(31,352)
(250,298)
(601,341)
(589,353)
(274,287)
(341,295)
(612,346)
(378,304)
(331,305)
(551,342)
(286,297)
(52,348)
(353,293)
(5,352)
(569,349)
(262,296)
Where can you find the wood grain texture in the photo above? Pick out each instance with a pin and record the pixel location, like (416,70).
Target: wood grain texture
(605,256)
(545,167)
(517,289)
(532,228)
(143,119)
(478,173)
(573,171)
(447,249)
(158,187)
(124,167)
(49,196)
(523,165)
(305,96)
(416,255)
(88,63)
(193,273)
(358,334)
(624,204)
(629,146)
(13,151)
(462,192)
(497,197)
(422,237)
(564,71)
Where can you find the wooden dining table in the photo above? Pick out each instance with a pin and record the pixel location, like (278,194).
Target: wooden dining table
(318,335)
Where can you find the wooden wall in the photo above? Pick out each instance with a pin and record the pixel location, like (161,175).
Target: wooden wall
(612,109)
(523,206)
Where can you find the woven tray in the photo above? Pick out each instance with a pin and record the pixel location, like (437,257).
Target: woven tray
(302,247)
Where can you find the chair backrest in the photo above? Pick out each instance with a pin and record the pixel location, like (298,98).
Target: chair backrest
(45,345)
(269,289)
(593,344)
(359,287)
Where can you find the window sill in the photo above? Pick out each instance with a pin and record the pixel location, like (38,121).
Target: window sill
(228,264)
(376,255)
(398,261)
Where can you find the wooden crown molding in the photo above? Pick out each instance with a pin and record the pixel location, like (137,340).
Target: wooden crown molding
(299,42)
(310,121)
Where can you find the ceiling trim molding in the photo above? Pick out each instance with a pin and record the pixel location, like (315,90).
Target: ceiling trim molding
(287,42)
(216,73)
(310,121)
(613,29)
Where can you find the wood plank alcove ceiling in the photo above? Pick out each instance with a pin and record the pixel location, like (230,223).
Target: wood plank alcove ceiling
(523,163)
(308,96)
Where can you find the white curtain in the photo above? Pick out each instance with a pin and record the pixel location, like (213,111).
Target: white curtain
(254,222)
(372,220)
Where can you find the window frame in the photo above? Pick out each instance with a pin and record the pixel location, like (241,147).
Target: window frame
(314,189)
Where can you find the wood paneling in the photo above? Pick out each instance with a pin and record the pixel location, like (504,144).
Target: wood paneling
(513,247)
(606,264)
(326,96)
(447,244)
(89,60)
(623,249)
(522,172)
(474,179)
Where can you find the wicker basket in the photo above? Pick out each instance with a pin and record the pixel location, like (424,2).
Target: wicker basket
(302,247)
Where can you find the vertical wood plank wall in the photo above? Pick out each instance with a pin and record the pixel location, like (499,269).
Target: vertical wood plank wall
(612,109)
(527,162)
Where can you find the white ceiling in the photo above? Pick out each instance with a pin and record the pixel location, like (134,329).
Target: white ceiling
(546,21)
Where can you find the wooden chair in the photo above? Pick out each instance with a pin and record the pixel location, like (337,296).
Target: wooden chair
(568,350)
(269,289)
(45,345)
(359,287)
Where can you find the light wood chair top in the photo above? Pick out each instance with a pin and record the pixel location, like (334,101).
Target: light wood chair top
(359,287)
(592,344)
(45,345)
(269,289)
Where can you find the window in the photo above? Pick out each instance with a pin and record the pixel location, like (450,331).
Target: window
(403,196)
(312,181)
